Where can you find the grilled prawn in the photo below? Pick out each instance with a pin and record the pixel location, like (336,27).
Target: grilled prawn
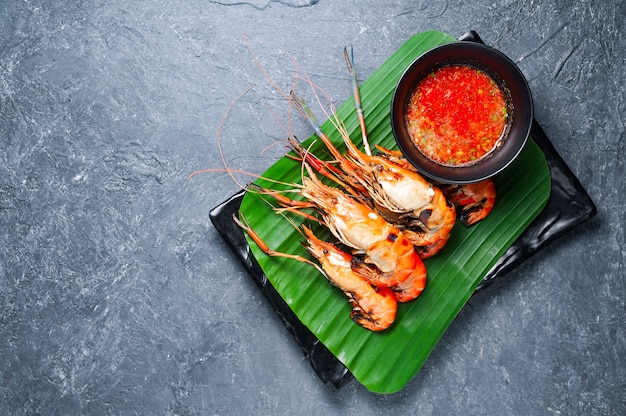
(400,194)
(373,307)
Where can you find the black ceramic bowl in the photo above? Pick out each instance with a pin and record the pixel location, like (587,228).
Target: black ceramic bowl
(510,80)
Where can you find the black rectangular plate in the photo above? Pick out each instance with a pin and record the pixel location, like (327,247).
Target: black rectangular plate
(568,206)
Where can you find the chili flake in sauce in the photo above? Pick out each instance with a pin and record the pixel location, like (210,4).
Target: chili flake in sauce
(457,115)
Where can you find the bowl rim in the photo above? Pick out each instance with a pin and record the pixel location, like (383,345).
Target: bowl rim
(509,77)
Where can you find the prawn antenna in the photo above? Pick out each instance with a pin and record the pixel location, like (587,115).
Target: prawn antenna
(357,98)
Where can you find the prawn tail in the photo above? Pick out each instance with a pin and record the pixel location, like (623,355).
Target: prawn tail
(473,213)
(375,310)
(430,250)
(473,201)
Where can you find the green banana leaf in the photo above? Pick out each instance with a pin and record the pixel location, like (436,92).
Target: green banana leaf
(385,361)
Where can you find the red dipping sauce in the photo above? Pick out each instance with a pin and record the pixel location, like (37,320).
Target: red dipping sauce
(457,115)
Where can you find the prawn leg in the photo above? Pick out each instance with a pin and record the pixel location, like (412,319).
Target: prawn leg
(287,204)
(243,224)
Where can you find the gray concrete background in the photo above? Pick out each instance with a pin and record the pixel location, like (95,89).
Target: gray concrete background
(117,296)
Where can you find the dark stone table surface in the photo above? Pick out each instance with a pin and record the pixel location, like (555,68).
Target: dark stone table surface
(117,296)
